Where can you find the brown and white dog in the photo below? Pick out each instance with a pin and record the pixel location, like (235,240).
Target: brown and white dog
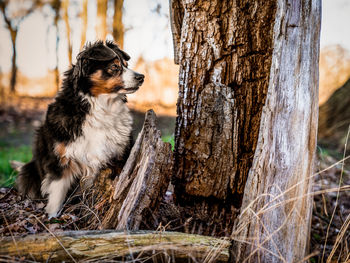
(86,126)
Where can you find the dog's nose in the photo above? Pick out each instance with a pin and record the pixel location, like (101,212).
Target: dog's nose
(139,77)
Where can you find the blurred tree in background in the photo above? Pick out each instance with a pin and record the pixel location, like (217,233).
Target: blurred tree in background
(13,14)
(118,27)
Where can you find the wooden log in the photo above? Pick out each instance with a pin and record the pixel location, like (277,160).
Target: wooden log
(143,181)
(108,245)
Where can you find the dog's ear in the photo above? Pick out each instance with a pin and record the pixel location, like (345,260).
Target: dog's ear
(117,50)
(100,53)
(97,52)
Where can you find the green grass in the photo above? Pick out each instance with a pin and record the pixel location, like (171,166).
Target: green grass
(7,153)
(170,139)
(24,154)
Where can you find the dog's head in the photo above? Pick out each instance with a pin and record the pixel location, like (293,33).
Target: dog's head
(103,69)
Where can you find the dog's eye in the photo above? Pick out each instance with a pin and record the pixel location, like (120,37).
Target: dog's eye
(115,67)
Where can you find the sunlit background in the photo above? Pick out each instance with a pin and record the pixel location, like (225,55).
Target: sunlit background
(147,39)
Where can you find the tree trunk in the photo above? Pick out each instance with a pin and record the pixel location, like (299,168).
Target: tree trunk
(225,57)
(65,4)
(56,6)
(13,79)
(107,246)
(246,129)
(334,118)
(118,26)
(84,20)
(101,23)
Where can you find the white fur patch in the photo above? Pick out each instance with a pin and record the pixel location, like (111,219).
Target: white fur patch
(57,191)
(106,132)
(129,79)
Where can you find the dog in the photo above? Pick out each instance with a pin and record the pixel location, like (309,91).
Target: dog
(86,126)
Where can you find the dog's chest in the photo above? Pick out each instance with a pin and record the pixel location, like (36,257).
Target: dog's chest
(105,134)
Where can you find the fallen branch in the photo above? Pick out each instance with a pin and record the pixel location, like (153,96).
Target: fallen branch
(108,245)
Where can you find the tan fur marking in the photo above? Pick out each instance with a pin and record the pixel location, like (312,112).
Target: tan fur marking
(60,150)
(103,86)
(117,62)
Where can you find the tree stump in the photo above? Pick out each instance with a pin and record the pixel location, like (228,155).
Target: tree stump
(143,181)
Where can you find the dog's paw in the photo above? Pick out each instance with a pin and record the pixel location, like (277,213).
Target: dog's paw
(52,211)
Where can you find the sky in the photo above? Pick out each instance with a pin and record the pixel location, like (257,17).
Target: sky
(148,34)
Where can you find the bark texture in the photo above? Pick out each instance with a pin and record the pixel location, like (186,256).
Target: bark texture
(97,246)
(275,220)
(225,52)
(143,181)
(176,18)
(334,118)
(118,26)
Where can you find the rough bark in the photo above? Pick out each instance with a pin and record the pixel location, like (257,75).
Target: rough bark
(65,5)
(84,23)
(99,246)
(247,110)
(225,57)
(275,223)
(118,26)
(143,181)
(334,118)
(101,22)
(176,18)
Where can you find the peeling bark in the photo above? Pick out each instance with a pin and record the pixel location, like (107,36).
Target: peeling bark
(277,203)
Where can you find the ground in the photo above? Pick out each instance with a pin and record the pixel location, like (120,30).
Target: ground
(331,210)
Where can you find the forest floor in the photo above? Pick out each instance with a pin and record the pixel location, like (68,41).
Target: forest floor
(331,208)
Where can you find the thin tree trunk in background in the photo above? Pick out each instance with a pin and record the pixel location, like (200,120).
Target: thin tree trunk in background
(101,23)
(84,20)
(13,79)
(56,6)
(13,28)
(13,34)
(246,129)
(65,5)
(118,27)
